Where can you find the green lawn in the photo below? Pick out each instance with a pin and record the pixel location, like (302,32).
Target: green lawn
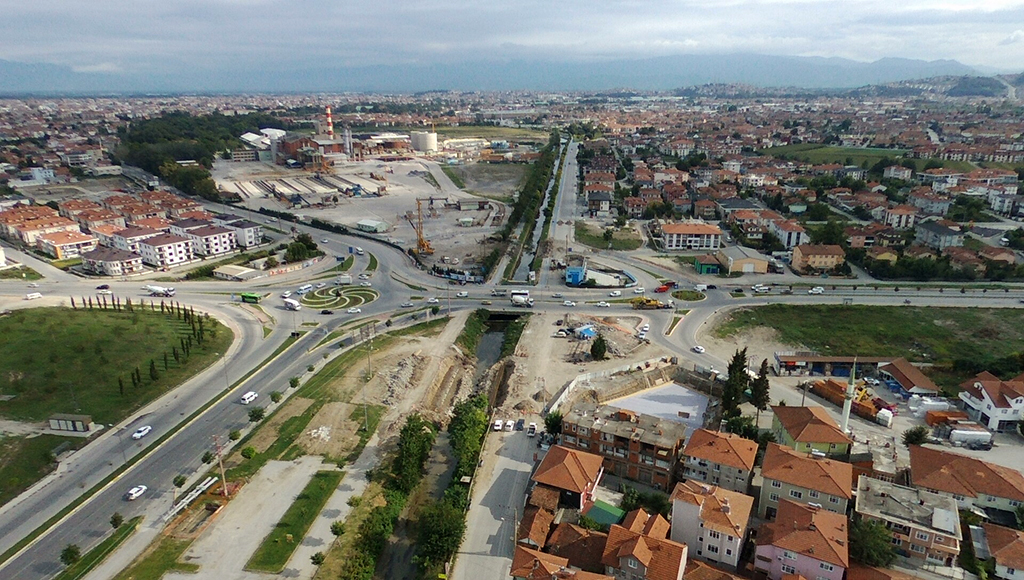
(819,154)
(623,240)
(161,559)
(937,335)
(688,295)
(372,266)
(24,460)
(60,360)
(96,555)
(276,549)
(23,273)
(344,265)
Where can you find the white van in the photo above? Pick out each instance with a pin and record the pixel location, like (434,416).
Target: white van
(359,252)
(304,288)
(33,296)
(700,287)
(249,397)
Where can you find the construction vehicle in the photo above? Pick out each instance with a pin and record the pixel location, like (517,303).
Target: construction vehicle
(159,291)
(644,303)
(422,245)
(521,299)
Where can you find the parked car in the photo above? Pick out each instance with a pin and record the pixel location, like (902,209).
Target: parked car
(135,492)
(509,424)
(141,432)
(520,424)
(531,430)
(498,423)
(645,328)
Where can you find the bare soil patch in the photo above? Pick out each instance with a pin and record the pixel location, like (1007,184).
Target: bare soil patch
(331,432)
(267,434)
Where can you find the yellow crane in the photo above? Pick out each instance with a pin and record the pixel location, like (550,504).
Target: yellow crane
(422,245)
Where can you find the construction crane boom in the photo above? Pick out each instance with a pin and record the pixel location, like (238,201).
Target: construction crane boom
(422,245)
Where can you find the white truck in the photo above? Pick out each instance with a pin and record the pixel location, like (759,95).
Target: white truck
(343,280)
(159,291)
(521,299)
(292,304)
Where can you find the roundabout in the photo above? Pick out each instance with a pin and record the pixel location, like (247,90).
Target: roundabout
(339,298)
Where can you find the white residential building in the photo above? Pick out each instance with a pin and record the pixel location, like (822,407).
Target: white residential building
(211,240)
(166,250)
(711,521)
(996,404)
(790,233)
(129,239)
(693,235)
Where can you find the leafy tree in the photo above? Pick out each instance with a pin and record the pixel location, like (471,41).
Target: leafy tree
(318,559)
(831,233)
(553,423)
(599,348)
(608,235)
(588,523)
(249,452)
(441,527)
(338,528)
(116,520)
(70,555)
(915,436)
(235,435)
(871,543)
(759,395)
(293,382)
(296,252)
(208,457)
(271,262)
(256,414)
(735,384)
(179,481)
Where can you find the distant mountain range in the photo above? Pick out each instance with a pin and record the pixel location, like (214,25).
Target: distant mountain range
(661,73)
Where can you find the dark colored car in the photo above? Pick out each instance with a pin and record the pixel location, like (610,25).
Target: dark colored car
(520,424)
(712,287)
(325,311)
(103,287)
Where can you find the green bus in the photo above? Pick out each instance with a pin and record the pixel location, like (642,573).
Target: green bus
(251,297)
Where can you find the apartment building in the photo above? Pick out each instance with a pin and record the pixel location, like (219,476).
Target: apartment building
(995,403)
(722,459)
(817,258)
(804,540)
(643,448)
(247,234)
(691,236)
(166,250)
(805,478)
(112,262)
(212,240)
(789,232)
(937,236)
(711,522)
(72,207)
(129,239)
(925,525)
(29,231)
(94,218)
(973,483)
(66,245)
(809,429)
(901,217)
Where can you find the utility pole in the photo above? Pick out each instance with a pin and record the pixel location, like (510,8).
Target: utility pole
(220,461)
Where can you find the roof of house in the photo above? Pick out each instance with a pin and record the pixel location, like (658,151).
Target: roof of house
(662,558)
(908,506)
(544,497)
(697,570)
(742,253)
(820,250)
(106,254)
(721,509)
(207,231)
(1006,545)
(908,375)
(804,470)
(535,565)
(811,531)
(644,523)
(692,229)
(962,475)
(581,546)
(135,232)
(163,240)
(1000,392)
(60,238)
(569,469)
(535,526)
(862,572)
(722,448)
(810,424)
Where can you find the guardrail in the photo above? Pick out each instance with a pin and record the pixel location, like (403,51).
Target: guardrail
(189,498)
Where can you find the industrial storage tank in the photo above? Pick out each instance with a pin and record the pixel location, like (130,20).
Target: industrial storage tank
(424,142)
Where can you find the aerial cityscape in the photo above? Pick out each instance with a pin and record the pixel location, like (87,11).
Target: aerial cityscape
(508,291)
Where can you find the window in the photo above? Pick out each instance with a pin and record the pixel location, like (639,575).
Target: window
(788,555)
(713,549)
(916,548)
(831,446)
(813,494)
(788,569)
(776,484)
(796,494)
(773,497)
(717,467)
(897,542)
(1010,571)
(714,535)
(921,536)
(958,497)
(728,551)
(1014,503)
(826,567)
(729,538)
(631,562)
(833,499)
(939,539)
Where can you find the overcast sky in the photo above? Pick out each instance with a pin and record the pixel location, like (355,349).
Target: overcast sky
(169,36)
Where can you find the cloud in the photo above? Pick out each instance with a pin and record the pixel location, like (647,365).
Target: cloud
(1015,37)
(102,67)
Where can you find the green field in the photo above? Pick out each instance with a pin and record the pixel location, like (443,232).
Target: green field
(819,154)
(456,179)
(937,335)
(623,240)
(24,460)
(60,360)
(276,549)
(466,131)
(161,559)
(23,273)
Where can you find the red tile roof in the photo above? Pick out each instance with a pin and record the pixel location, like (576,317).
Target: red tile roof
(1006,545)
(722,448)
(813,532)
(908,375)
(569,469)
(663,559)
(803,470)
(810,425)
(952,473)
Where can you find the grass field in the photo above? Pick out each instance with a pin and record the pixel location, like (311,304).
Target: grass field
(623,240)
(274,552)
(96,555)
(344,265)
(162,558)
(60,360)
(372,265)
(24,460)
(23,273)
(456,179)
(688,295)
(936,335)
(818,154)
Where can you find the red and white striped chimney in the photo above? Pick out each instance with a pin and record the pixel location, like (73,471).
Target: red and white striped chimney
(330,124)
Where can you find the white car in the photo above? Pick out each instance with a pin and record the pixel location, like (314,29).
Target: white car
(286,293)
(615,293)
(354,310)
(603,304)
(638,291)
(641,336)
(645,328)
(433,300)
(498,423)
(321,285)
(556,295)
(365,284)
(364,276)
(135,492)
(569,303)
(509,424)
(141,432)
(462,294)
(698,349)
(816,290)
(407,305)
(105,292)
(325,241)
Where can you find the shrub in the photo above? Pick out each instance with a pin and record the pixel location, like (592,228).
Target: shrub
(256,414)
(208,457)
(179,480)
(249,452)
(311,368)
(317,559)
(338,528)
(276,396)
(354,501)
(235,435)
(116,520)
(293,382)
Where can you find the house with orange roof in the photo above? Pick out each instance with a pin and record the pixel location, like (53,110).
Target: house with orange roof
(804,540)
(66,245)
(697,570)
(910,378)
(973,483)
(809,429)
(582,547)
(529,564)
(92,218)
(722,459)
(802,477)
(534,527)
(862,572)
(691,236)
(818,257)
(1006,547)
(711,520)
(996,404)
(72,207)
(575,474)
(630,554)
